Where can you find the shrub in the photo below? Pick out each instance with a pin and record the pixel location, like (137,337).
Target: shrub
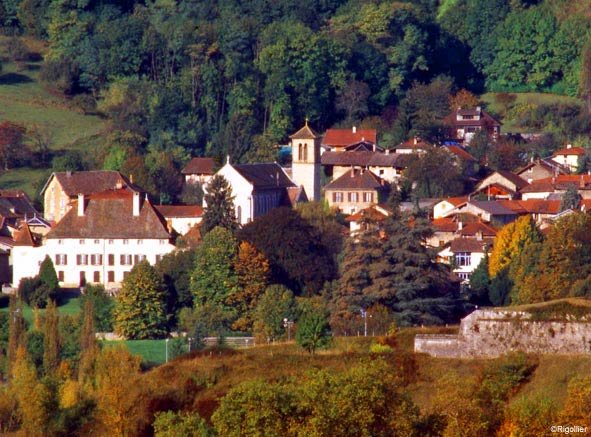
(377,348)
(34,292)
(61,74)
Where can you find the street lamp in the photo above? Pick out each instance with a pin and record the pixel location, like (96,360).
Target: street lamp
(364,315)
(190,340)
(287,324)
(166,342)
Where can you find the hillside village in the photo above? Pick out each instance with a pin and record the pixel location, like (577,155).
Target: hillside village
(96,225)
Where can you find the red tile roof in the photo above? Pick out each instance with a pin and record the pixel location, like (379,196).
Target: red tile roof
(371,213)
(345,137)
(470,245)
(541,206)
(444,224)
(455,201)
(414,143)
(472,229)
(363,159)
(181,211)
(356,181)
(460,153)
(570,151)
(23,237)
(199,166)
(560,182)
(109,214)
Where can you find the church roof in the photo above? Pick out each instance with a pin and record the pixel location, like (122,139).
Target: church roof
(266,175)
(305,133)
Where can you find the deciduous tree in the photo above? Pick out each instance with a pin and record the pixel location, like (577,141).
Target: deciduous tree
(51,339)
(313,331)
(140,310)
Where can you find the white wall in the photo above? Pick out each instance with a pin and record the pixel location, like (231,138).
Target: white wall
(242,192)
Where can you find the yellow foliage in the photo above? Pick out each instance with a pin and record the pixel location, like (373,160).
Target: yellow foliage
(509,243)
(69,394)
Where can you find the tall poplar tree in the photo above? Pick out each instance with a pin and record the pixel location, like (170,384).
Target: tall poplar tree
(16,328)
(51,339)
(220,206)
(585,77)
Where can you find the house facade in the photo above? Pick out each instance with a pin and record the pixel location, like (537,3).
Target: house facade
(465,122)
(62,188)
(569,157)
(354,191)
(198,170)
(181,218)
(98,241)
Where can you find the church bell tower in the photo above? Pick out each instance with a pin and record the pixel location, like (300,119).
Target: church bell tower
(305,167)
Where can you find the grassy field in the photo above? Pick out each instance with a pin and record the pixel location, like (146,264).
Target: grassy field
(68,305)
(24,100)
(151,351)
(509,125)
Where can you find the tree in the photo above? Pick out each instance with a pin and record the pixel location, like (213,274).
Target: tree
(88,344)
(463,99)
(102,306)
(171,424)
(313,331)
(585,78)
(117,375)
(48,276)
(140,309)
(275,305)
(577,407)
(294,248)
(16,329)
(11,143)
(32,395)
(220,206)
(480,283)
(570,199)
(352,100)
(176,268)
(252,273)
(51,339)
(213,278)
(434,174)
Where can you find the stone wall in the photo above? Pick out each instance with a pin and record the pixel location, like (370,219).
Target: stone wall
(490,333)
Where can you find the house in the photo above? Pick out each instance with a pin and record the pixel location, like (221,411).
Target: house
(360,220)
(449,228)
(465,254)
(355,190)
(569,157)
(444,206)
(539,209)
(258,188)
(464,123)
(557,186)
(486,210)
(541,169)
(413,145)
(198,170)
(501,184)
(181,218)
(62,188)
(98,240)
(468,163)
(337,140)
(388,166)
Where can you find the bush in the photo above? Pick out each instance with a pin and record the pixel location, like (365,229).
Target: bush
(103,306)
(85,103)
(34,292)
(377,348)
(61,74)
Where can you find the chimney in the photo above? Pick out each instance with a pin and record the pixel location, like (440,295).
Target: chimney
(352,172)
(582,182)
(131,178)
(478,109)
(553,180)
(119,185)
(415,141)
(460,226)
(569,146)
(354,129)
(479,235)
(68,173)
(80,205)
(374,147)
(387,151)
(136,204)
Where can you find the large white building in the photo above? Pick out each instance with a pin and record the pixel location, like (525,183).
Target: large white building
(98,240)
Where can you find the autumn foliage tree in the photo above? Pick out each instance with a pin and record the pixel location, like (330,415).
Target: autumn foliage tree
(51,339)
(252,273)
(140,311)
(11,143)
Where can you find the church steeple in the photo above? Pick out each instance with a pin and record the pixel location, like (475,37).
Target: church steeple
(305,152)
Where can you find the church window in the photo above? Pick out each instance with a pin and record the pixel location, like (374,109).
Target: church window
(305,152)
(300,152)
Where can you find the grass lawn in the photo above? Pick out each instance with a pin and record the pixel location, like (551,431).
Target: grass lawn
(532,98)
(151,351)
(70,305)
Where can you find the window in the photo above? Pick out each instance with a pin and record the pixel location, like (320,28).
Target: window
(97,241)
(60,275)
(381,172)
(140,241)
(111,259)
(138,258)
(61,259)
(464,276)
(81,241)
(305,153)
(300,152)
(60,241)
(163,241)
(96,277)
(239,214)
(338,196)
(82,279)
(368,197)
(125,260)
(110,276)
(353,197)
(110,241)
(125,241)
(82,260)
(96,259)
(463,259)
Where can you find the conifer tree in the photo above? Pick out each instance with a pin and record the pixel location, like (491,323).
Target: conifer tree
(140,311)
(220,206)
(47,274)
(16,328)
(88,343)
(214,279)
(252,274)
(51,339)
(570,199)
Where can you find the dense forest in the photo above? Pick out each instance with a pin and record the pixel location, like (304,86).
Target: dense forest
(188,78)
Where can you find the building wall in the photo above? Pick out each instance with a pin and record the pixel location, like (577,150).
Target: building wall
(242,191)
(197,178)
(347,206)
(535,173)
(496,178)
(182,225)
(27,259)
(442,208)
(571,161)
(308,175)
(55,201)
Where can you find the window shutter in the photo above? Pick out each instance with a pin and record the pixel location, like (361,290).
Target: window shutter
(122,260)
(78,259)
